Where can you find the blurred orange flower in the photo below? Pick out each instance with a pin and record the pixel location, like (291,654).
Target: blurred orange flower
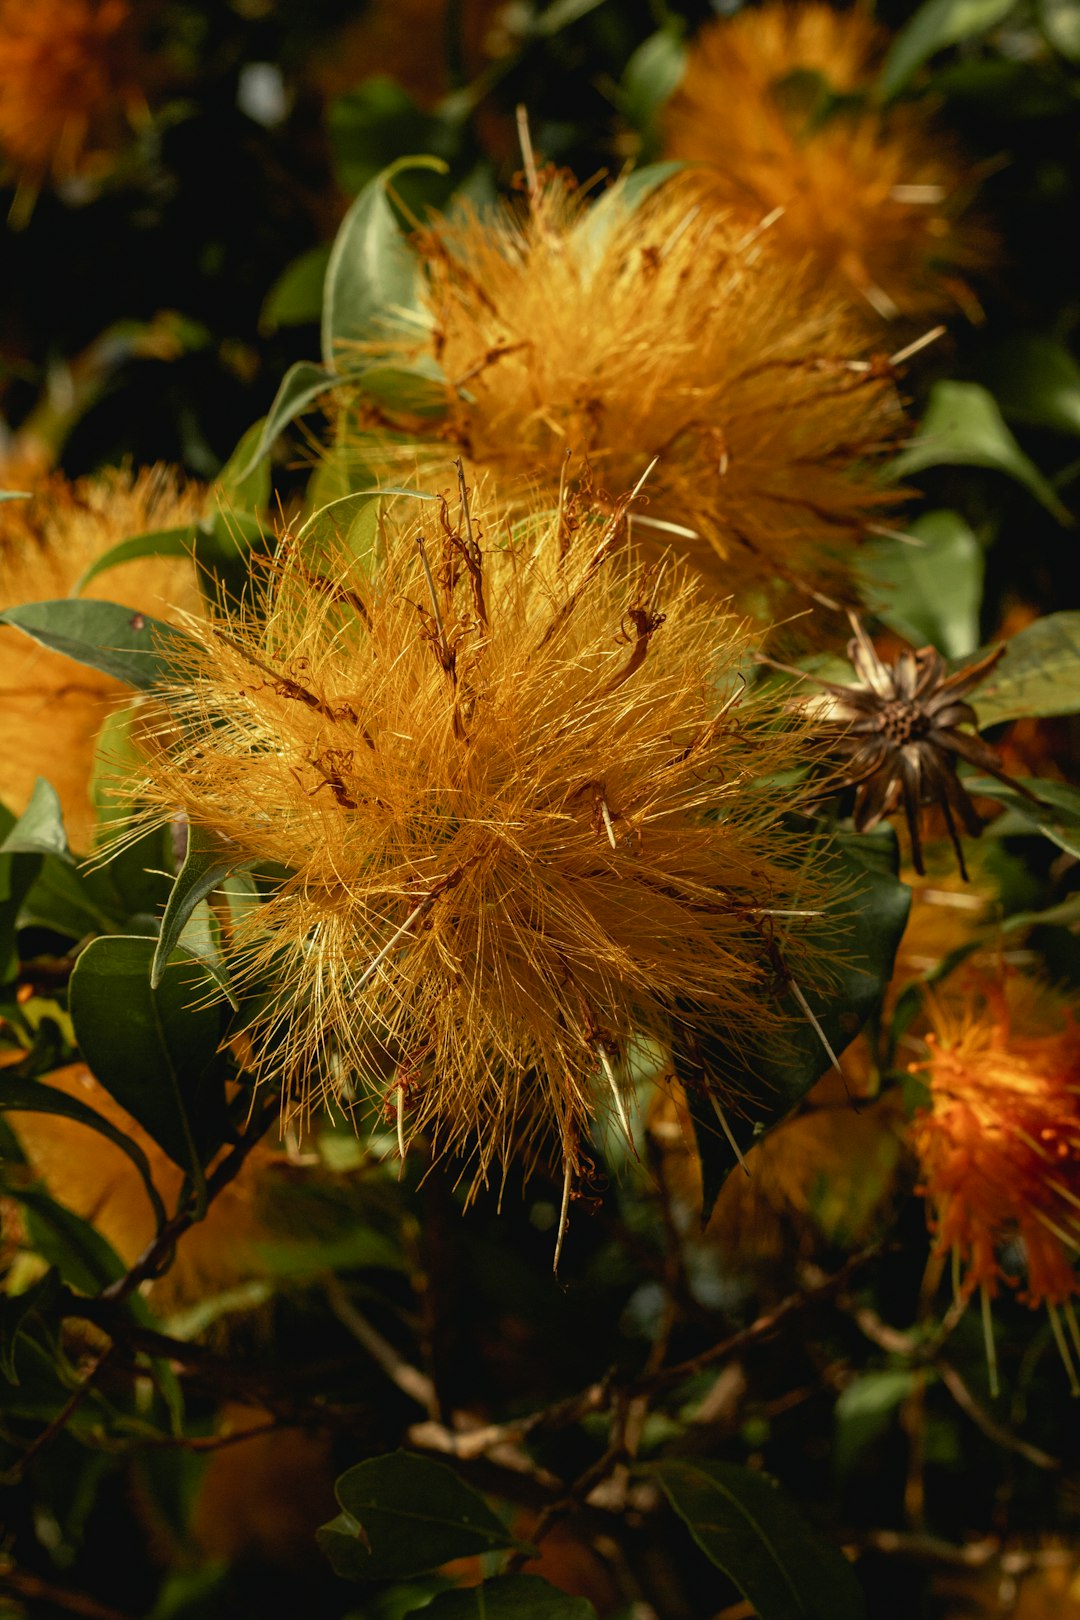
(875,193)
(71,81)
(999,1143)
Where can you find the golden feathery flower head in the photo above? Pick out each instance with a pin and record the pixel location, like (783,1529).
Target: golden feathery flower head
(526,813)
(71,81)
(51,710)
(94,1178)
(588,342)
(875,193)
(999,1142)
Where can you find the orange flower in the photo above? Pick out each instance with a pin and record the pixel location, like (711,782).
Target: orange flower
(874,193)
(70,81)
(51,710)
(609,342)
(999,1143)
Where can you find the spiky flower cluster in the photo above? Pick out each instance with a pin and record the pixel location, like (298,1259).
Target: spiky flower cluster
(999,1144)
(526,813)
(875,194)
(592,342)
(71,78)
(51,710)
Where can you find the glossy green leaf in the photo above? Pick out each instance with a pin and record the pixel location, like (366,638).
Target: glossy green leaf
(652,74)
(1066,914)
(157,1058)
(745,1524)
(1039,675)
(373,272)
(243,484)
(929,592)
(936,25)
(22,1096)
(210,857)
(303,384)
(618,204)
(16,1314)
(17,876)
(128,646)
(509,1597)
(296,296)
(178,542)
(870,907)
(1057,817)
(40,828)
(1036,380)
(963,427)
(402,1514)
(84,1259)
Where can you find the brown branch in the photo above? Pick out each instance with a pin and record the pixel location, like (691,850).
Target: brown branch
(35,1590)
(982,1419)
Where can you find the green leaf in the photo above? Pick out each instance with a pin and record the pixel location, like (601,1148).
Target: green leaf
(1060,22)
(244,481)
(1057,817)
(1039,675)
(865,1411)
(156,1057)
(157,543)
(16,495)
(125,645)
(16,1311)
(19,1095)
(1036,380)
(744,1523)
(930,592)
(963,427)
(40,828)
(870,907)
(652,74)
(300,387)
(403,1514)
(373,272)
(619,203)
(937,24)
(509,1597)
(84,1259)
(18,874)
(210,858)
(295,299)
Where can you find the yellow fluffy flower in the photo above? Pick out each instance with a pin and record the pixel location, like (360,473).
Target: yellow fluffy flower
(875,194)
(585,344)
(51,710)
(526,812)
(71,80)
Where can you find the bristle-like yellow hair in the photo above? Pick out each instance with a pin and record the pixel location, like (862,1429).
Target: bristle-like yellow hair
(51,710)
(875,194)
(526,806)
(587,344)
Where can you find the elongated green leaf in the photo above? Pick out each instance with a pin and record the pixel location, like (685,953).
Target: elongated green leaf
(40,828)
(210,858)
(1057,817)
(1066,914)
(16,495)
(1036,380)
(1039,675)
(242,485)
(17,875)
(296,296)
(403,1514)
(935,25)
(126,645)
(300,387)
(509,1597)
(743,1522)
(178,542)
(156,1058)
(373,272)
(869,908)
(963,427)
(930,592)
(866,1409)
(22,1096)
(16,1314)
(618,204)
(78,1251)
(653,72)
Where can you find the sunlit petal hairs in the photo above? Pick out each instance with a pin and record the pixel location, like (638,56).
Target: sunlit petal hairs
(528,813)
(581,343)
